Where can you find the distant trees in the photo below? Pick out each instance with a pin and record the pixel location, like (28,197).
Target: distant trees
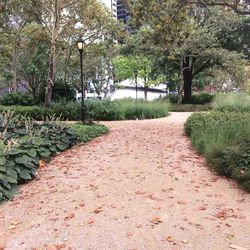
(239,6)
(61,23)
(126,66)
(191,40)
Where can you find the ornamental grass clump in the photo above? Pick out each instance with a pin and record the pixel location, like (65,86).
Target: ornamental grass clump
(233,102)
(224,139)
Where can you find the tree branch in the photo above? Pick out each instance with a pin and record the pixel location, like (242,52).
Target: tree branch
(235,5)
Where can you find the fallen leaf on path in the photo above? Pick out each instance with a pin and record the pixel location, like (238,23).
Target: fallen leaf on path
(69,216)
(15,223)
(184,241)
(82,204)
(42,164)
(229,236)
(202,208)
(237,247)
(12,227)
(156,220)
(139,192)
(155,198)
(90,221)
(221,214)
(181,202)
(98,210)
(170,239)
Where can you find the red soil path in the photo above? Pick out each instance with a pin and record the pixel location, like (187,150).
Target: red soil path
(141,186)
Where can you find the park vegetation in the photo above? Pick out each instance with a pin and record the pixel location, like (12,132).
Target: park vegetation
(26,145)
(188,44)
(223,137)
(97,110)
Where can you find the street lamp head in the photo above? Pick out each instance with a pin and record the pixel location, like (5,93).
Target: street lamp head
(136,73)
(80,45)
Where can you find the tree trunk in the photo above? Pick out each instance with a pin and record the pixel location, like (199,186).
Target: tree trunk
(66,60)
(51,73)
(180,85)
(187,79)
(146,93)
(14,70)
(52,58)
(14,80)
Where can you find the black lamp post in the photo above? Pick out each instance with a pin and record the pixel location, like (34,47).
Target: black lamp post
(80,46)
(136,84)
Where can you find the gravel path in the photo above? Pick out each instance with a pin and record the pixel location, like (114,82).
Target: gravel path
(141,186)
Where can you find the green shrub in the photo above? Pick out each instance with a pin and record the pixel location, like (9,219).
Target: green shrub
(17,98)
(224,140)
(234,102)
(85,133)
(202,98)
(141,109)
(189,107)
(173,99)
(96,110)
(24,143)
(104,110)
(197,99)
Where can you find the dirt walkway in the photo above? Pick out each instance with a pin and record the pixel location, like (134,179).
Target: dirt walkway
(139,187)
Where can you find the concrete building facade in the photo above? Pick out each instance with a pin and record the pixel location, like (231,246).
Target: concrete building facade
(111,5)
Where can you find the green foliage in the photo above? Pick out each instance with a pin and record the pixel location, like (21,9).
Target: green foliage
(224,139)
(189,107)
(199,98)
(62,92)
(104,110)
(17,98)
(232,102)
(24,143)
(142,109)
(85,133)
(96,110)
(125,67)
(126,109)
(202,98)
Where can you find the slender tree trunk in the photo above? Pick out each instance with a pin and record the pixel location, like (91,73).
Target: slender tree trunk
(51,73)
(52,57)
(180,85)
(14,80)
(146,93)
(66,60)
(14,70)
(187,79)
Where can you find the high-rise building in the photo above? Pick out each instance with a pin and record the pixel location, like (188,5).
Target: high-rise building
(122,11)
(112,6)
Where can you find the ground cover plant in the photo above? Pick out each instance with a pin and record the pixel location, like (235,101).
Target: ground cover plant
(96,110)
(224,139)
(26,144)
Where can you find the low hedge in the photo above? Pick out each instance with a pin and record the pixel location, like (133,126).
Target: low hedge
(197,99)
(17,98)
(85,133)
(189,108)
(26,144)
(96,110)
(224,139)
